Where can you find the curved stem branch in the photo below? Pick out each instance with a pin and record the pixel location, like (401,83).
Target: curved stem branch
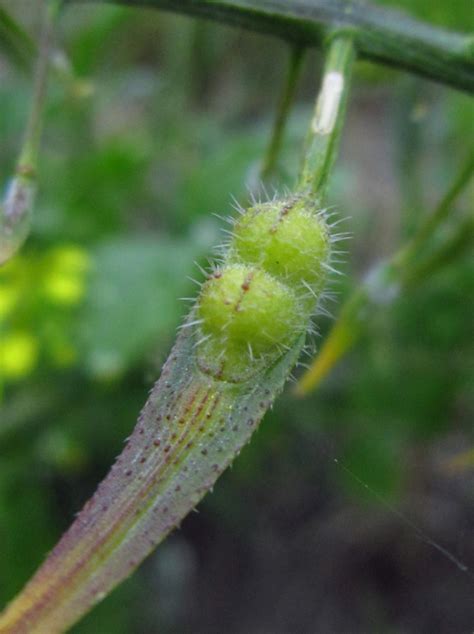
(386,36)
(383,284)
(283,110)
(436,218)
(28,156)
(16,208)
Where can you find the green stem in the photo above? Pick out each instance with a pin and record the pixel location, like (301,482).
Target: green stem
(283,110)
(409,140)
(16,208)
(454,247)
(384,282)
(436,218)
(29,153)
(15,42)
(326,126)
(382,35)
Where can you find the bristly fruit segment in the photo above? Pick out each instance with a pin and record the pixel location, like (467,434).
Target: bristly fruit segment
(241,341)
(232,358)
(262,296)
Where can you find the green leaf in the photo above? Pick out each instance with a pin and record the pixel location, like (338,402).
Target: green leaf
(15,43)
(132,300)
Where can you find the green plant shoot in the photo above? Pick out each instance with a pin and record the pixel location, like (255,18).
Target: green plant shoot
(232,357)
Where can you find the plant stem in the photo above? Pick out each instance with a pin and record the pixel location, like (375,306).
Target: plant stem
(325,131)
(283,110)
(409,140)
(385,36)
(29,153)
(435,219)
(456,245)
(16,208)
(189,431)
(15,42)
(383,284)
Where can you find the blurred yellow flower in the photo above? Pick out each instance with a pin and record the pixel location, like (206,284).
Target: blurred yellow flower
(64,289)
(8,297)
(70,259)
(18,354)
(65,283)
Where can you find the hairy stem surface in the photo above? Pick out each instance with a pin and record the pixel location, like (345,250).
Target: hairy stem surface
(189,431)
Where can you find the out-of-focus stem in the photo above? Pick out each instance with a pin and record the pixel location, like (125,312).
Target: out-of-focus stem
(408,141)
(283,110)
(383,284)
(436,218)
(29,153)
(15,42)
(16,208)
(455,246)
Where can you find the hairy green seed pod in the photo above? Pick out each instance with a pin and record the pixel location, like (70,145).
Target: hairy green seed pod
(262,297)
(287,238)
(247,315)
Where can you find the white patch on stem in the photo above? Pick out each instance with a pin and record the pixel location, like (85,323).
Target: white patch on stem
(328,103)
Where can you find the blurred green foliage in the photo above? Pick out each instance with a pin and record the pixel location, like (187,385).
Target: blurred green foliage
(163,119)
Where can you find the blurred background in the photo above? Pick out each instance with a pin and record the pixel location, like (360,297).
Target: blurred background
(153,122)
